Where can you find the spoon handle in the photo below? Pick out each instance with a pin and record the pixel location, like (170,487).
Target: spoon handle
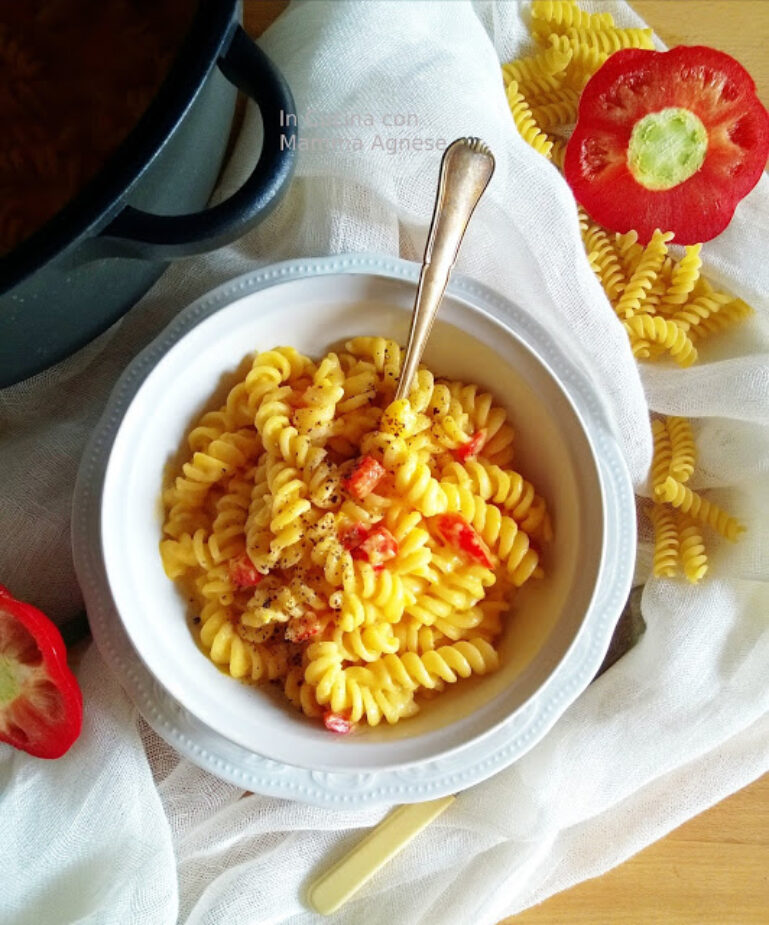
(466,168)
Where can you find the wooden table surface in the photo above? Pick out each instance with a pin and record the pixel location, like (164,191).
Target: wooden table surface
(714,869)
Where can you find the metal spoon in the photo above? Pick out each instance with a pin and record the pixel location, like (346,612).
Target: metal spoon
(466,168)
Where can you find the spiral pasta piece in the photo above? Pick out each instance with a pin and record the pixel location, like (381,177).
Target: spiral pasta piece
(484,415)
(540,75)
(455,592)
(561,111)
(385,355)
(729,313)
(186,552)
(447,663)
(701,509)
(663,453)
(527,127)
(415,636)
(415,483)
(642,278)
(558,15)
(647,329)
(694,558)
(501,533)
(504,487)
(684,277)
(666,541)
(698,310)
(602,255)
(366,644)
(629,250)
(300,694)
(585,61)
(608,41)
(269,370)
(558,151)
(244,659)
(683,453)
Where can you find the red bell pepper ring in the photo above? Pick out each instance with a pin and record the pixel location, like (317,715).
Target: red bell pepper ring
(472,448)
(41,705)
(337,722)
(456,532)
(670,140)
(243,572)
(362,479)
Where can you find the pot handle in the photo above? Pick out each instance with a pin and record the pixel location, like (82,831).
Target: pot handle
(167,237)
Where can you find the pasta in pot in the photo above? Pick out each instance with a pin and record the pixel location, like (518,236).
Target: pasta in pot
(360,551)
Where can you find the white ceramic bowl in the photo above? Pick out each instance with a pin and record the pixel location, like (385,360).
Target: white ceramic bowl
(562,624)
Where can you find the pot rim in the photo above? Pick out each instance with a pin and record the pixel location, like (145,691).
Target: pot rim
(103,196)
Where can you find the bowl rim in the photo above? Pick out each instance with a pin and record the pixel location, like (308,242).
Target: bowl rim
(459,767)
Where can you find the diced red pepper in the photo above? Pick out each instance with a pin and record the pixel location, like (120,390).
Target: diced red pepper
(472,448)
(299,629)
(337,722)
(244,573)
(353,536)
(371,543)
(670,140)
(379,547)
(456,532)
(41,706)
(363,477)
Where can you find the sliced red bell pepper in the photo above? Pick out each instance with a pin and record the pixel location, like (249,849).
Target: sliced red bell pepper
(456,532)
(244,573)
(353,536)
(41,706)
(337,722)
(362,479)
(472,448)
(371,543)
(378,547)
(670,140)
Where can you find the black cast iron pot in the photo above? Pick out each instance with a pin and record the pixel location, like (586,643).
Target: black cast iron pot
(89,264)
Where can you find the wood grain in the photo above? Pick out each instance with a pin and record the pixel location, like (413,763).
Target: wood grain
(714,869)
(738,27)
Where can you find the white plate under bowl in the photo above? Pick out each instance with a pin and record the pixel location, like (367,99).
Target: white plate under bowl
(562,625)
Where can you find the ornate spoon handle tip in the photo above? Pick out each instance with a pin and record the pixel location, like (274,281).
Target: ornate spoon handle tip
(466,168)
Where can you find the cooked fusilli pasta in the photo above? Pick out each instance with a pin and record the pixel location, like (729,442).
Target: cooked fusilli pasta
(360,551)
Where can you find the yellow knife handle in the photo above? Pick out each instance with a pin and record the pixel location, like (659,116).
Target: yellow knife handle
(393,833)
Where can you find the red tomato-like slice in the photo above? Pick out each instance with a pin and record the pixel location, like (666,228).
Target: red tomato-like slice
(337,722)
(41,706)
(670,140)
(472,448)
(363,477)
(456,532)
(243,572)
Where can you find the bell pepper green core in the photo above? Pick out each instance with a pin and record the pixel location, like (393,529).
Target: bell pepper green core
(666,148)
(9,683)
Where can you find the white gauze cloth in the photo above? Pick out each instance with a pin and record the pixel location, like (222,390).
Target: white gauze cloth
(121,830)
